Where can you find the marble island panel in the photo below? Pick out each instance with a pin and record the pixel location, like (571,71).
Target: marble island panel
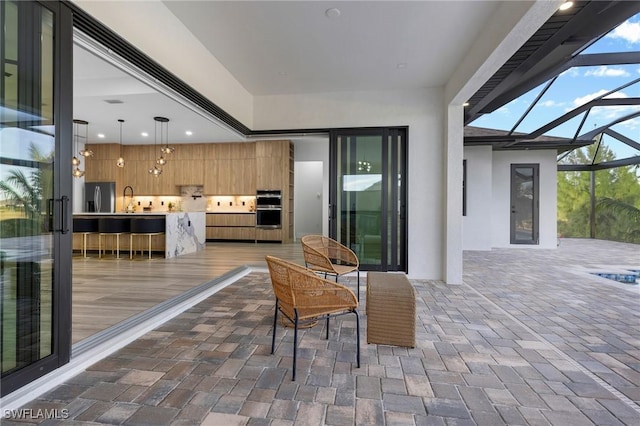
(185,232)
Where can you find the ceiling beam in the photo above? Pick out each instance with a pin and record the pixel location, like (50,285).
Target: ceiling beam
(592,20)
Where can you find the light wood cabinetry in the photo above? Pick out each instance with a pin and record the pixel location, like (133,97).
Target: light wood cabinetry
(188,172)
(269,234)
(231,226)
(230,169)
(238,168)
(274,171)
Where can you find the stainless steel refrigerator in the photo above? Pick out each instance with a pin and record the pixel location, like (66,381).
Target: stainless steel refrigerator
(100,197)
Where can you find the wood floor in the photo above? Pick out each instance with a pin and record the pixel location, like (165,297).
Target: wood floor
(107,291)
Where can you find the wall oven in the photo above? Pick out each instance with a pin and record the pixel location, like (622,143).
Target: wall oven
(268,208)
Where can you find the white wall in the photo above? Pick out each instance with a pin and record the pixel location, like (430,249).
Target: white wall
(501,203)
(476,225)
(421,110)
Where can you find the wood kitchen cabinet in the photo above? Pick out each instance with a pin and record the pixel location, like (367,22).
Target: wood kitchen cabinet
(231,226)
(188,172)
(237,168)
(272,164)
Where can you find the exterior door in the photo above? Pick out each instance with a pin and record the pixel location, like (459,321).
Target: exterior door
(524,203)
(35,239)
(368,195)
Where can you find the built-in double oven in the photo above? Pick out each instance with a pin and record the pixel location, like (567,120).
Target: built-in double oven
(268,208)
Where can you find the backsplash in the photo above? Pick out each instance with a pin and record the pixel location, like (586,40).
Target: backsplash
(231,203)
(213,204)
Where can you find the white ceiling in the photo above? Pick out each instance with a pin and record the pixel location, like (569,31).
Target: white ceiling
(286,47)
(95,81)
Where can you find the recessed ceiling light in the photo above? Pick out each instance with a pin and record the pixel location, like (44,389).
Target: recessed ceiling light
(566,5)
(401,65)
(188,133)
(466,104)
(332,13)
(101,135)
(144,134)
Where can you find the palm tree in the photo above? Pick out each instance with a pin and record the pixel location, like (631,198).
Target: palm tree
(29,191)
(629,214)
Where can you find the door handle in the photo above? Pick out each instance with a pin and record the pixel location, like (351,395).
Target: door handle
(49,222)
(64,214)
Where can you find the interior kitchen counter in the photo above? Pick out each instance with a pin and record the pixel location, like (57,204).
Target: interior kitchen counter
(185,232)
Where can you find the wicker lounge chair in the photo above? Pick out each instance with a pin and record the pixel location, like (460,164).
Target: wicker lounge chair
(303,297)
(325,255)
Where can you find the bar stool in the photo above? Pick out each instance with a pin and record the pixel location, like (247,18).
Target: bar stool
(114,226)
(85,226)
(145,227)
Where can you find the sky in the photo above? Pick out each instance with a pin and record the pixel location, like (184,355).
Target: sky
(577,86)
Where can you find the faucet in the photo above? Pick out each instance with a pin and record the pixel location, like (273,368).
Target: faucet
(129,207)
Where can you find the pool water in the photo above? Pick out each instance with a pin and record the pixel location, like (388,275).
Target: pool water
(630,277)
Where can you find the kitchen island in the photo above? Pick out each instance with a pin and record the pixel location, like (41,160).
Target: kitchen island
(183,232)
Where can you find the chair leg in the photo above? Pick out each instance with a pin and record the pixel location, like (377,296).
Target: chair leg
(295,346)
(327,327)
(357,336)
(358,285)
(275,323)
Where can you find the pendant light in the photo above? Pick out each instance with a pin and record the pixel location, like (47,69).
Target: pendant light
(75,161)
(164,135)
(156,171)
(120,160)
(85,152)
(166,149)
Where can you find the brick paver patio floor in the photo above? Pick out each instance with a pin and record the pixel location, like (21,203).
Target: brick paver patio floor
(530,338)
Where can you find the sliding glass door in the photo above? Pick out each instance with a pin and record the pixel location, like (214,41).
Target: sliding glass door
(34,220)
(368,195)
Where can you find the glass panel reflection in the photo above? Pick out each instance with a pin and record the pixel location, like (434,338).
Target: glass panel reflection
(26,186)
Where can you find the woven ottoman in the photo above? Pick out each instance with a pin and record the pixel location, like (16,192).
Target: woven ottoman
(391,309)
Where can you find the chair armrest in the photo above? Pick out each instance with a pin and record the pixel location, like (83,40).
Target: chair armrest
(310,290)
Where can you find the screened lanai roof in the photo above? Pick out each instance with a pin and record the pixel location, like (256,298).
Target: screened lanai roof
(575,82)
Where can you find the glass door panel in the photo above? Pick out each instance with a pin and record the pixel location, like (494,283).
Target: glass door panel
(367,196)
(524,203)
(359,204)
(29,208)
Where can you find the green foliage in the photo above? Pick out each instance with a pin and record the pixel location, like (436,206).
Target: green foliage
(617,195)
(19,227)
(29,191)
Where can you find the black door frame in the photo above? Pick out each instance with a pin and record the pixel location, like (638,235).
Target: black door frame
(536,204)
(62,193)
(394,198)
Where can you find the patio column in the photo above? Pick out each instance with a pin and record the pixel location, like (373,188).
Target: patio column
(454,153)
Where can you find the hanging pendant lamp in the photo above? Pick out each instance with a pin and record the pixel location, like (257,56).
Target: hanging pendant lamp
(164,123)
(120,160)
(156,171)
(85,152)
(75,161)
(166,149)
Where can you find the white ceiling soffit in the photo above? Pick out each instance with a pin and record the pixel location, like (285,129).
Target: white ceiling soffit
(103,93)
(290,47)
